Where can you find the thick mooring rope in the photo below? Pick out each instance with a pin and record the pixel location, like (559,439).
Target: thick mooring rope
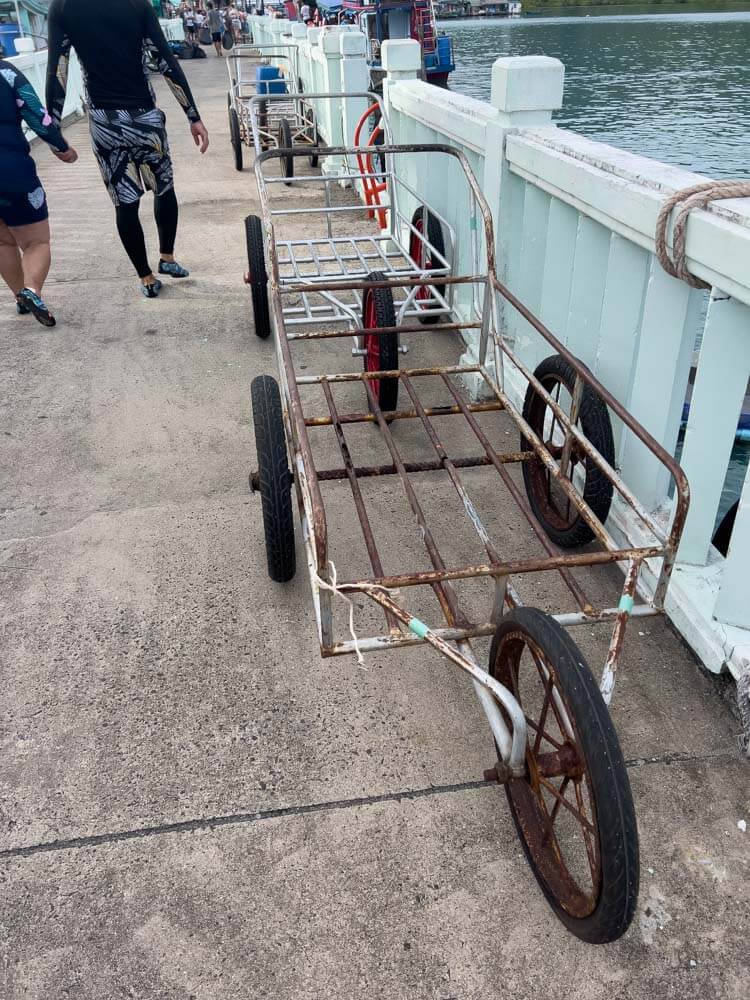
(697,196)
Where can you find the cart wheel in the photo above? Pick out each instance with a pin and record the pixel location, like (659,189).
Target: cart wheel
(573,809)
(314,158)
(234,135)
(382,349)
(257,277)
(285,142)
(428,226)
(262,119)
(274,478)
(552,508)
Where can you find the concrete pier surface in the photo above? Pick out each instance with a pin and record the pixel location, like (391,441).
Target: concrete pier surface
(193,805)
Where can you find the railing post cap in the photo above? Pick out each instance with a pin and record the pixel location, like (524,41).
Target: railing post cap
(352,43)
(329,41)
(313,35)
(299,30)
(527,83)
(401,55)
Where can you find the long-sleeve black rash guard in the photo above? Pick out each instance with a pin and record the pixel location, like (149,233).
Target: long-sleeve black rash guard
(110,39)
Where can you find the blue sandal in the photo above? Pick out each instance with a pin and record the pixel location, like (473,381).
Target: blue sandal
(29,301)
(173,269)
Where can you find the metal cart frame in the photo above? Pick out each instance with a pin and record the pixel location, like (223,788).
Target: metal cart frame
(338,317)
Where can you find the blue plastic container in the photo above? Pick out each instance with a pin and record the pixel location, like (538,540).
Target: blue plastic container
(8,35)
(444,51)
(268,80)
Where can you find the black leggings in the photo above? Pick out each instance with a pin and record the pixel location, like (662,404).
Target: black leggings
(131,232)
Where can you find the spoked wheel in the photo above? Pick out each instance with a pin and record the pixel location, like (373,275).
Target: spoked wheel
(236,138)
(573,809)
(381,349)
(285,142)
(257,276)
(262,119)
(274,480)
(552,507)
(429,229)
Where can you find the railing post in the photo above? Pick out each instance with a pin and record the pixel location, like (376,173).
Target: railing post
(299,37)
(720,383)
(355,78)
(329,45)
(402,60)
(525,91)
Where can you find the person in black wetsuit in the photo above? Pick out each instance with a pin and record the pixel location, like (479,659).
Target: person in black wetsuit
(24,226)
(128,131)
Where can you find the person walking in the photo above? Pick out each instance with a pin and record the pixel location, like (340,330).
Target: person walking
(215,21)
(128,131)
(24,226)
(190,24)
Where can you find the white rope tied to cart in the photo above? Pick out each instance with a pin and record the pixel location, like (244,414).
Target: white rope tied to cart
(365,588)
(697,196)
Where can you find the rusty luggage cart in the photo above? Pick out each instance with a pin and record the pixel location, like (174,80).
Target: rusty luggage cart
(558,755)
(268,77)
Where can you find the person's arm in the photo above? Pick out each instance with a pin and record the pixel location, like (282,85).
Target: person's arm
(58,55)
(167,64)
(32,112)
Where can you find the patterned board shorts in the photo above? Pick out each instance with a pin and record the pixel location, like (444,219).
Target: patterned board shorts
(133,152)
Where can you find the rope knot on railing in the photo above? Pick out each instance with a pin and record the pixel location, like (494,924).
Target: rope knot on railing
(697,196)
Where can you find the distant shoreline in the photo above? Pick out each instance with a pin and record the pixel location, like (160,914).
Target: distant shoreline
(724,6)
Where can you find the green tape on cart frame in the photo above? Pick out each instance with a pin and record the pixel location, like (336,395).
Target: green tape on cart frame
(626,604)
(418,628)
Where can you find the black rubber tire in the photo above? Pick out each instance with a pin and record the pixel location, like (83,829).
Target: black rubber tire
(256,262)
(723,534)
(384,314)
(234,135)
(274,478)
(285,142)
(314,158)
(262,115)
(595,424)
(434,233)
(609,787)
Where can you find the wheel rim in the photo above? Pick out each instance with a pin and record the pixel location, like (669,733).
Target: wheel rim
(555,505)
(420,254)
(372,342)
(553,803)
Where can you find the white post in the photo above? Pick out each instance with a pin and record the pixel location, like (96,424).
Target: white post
(355,79)
(299,37)
(402,60)
(525,91)
(329,45)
